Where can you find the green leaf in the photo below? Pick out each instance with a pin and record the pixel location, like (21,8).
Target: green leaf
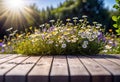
(115,25)
(114,18)
(118,1)
(116,6)
(117,31)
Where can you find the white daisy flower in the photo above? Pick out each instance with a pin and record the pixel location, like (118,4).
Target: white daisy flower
(50,42)
(63,45)
(108,47)
(84,46)
(85,42)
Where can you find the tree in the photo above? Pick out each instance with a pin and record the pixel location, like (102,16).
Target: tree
(94,9)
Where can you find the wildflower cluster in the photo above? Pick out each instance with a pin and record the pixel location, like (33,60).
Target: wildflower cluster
(57,38)
(111,43)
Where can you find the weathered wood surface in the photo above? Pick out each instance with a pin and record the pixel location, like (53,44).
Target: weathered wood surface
(59,70)
(16,68)
(40,73)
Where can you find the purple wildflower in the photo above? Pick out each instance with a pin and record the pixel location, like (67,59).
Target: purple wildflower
(44,30)
(101,37)
(114,45)
(1,44)
(42,36)
(2,49)
(51,28)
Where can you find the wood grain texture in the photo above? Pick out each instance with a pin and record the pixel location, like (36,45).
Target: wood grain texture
(111,66)
(8,58)
(40,73)
(3,56)
(19,73)
(7,66)
(59,71)
(78,72)
(98,73)
(100,68)
(117,61)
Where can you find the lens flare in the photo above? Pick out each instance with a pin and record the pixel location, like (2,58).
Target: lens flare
(14,4)
(16,13)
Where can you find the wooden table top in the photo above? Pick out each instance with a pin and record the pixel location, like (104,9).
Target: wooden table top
(100,68)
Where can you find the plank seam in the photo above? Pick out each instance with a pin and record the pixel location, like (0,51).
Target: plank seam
(85,68)
(26,76)
(105,69)
(9,60)
(12,68)
(49,80)
(5,56)
(112,61)
(69,77)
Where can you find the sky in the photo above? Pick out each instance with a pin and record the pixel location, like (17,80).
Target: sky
(109,3)
(44,3)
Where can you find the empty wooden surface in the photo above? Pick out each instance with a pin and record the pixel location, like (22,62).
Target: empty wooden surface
(101,68)
(40,73)
(78,73)
(59,70)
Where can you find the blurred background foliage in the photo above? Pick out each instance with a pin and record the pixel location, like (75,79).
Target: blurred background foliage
(94,9)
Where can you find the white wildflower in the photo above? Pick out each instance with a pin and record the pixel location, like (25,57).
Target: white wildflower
(37,32)
(79,33)
(81,20)
(50,42)
(9,29)
(88,26)
(85,42)
(108,47)
(97,27)
(84,16)
(4,45)
(105,51)
(63,45)
(34,40)
(73,40)
(84,46)
(52,21)
(94,22)
(60,41)
(68,40)
(42,25)
(90,39)
(11,34)
(88,35)
(56,45)
(15,31)
(75,18)
(83,35)
(94,36)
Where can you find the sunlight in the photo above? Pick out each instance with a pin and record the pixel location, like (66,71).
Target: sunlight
(14,4)
(16,12)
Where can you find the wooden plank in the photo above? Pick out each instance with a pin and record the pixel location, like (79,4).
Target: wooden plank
(117,61)
(116,55)
(19,73)
(40,73)
(112,67)
(5,67)
(3,56)
(59,71)
(78,72)
(98,73)
(8,58)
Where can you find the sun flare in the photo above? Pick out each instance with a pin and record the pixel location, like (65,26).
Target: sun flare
(14,4)
(16,13)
